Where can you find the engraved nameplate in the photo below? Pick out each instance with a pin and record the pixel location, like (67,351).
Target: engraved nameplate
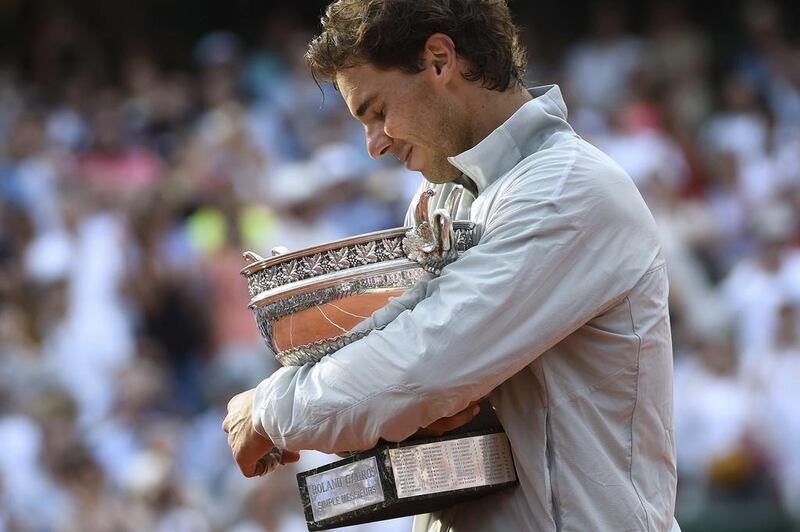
(344,489)
(452,465)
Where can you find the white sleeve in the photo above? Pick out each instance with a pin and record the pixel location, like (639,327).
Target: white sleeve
(396,305)
(551,258)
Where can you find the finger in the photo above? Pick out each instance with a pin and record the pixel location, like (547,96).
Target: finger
(462,417)
(453,422)
(267,464)
(250,470)
(225,425)
(261,467)
(289,457)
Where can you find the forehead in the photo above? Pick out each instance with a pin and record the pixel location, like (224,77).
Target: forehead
(354,81)
(358,83)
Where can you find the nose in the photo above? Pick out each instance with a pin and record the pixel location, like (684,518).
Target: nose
(378,142)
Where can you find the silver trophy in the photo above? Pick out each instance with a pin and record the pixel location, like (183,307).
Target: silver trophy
(310,303)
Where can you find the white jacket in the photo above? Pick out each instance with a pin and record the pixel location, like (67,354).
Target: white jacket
(560,313)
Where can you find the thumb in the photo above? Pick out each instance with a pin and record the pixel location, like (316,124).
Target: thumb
(289,457)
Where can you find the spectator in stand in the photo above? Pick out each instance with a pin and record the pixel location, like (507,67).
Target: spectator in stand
(774,380)
(677,60)
(714,416)
(757,285)
(113,162)
(772,62)
(597,69)
(743,130)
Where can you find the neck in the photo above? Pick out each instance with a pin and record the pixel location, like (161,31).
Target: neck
(490,109)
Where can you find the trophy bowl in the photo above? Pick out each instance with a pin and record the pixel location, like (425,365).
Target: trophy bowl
(306,303)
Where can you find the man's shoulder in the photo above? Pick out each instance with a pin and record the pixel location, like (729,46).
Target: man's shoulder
(577,180)
(568,165)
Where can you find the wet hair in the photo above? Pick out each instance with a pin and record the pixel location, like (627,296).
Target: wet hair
(391,34)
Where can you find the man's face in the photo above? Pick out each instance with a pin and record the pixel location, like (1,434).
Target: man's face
(409,116)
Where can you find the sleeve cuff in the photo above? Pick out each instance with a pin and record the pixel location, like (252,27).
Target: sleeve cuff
(259,414)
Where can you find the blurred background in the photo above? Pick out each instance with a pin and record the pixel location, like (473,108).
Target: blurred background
(145,144)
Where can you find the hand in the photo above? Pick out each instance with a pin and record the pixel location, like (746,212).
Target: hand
(254,454)
(446,424)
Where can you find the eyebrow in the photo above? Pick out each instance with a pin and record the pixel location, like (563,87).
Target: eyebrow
(365,105)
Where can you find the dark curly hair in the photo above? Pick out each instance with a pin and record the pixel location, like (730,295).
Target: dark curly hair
(392,34)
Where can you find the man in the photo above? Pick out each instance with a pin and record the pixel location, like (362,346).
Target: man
(559,313)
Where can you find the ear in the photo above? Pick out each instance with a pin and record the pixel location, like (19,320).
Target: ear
(440,56)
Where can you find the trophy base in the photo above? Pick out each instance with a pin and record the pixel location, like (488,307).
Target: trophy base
(406,478)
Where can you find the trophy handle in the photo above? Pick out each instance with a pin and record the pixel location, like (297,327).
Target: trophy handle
(421,209)
(453,200)
(443,229)
(251,257)
(431,241)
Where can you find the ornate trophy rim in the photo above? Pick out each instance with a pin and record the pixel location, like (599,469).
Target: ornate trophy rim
(331,279)
(267,262)
(300,268)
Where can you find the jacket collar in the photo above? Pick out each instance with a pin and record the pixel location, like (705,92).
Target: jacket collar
(518,137)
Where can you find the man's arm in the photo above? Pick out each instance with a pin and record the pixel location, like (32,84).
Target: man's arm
(253,453)
(548,262)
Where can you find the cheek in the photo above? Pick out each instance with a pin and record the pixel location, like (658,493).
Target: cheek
(416,129)
(407,119)
(396,123)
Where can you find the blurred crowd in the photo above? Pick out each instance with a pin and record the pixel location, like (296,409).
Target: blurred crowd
(125,204)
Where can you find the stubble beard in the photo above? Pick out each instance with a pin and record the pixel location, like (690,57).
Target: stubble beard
(454,133)
(442,172)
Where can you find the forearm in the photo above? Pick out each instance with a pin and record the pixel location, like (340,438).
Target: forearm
(319,407)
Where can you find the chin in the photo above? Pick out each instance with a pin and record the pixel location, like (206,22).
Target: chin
(441,177)
(439,180)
